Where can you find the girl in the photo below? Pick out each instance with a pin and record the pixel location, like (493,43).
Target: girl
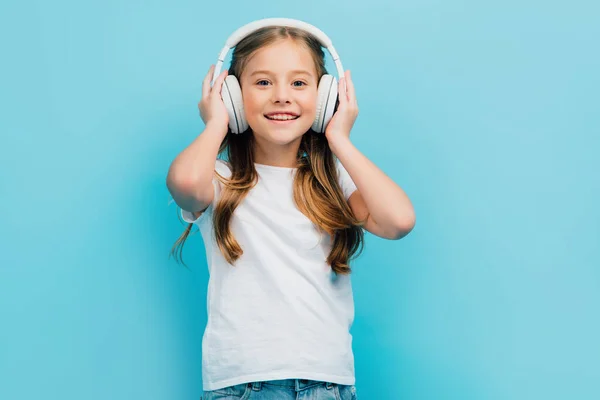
(281,216)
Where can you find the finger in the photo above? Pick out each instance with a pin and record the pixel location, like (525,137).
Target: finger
(219,82)
(206,82)
(342,91)
(350,88)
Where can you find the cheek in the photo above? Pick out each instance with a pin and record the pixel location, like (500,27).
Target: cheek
(309,103)
(253,110)
(252,99)
(250,103)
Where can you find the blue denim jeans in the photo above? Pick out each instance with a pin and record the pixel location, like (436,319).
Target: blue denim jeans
(286,389)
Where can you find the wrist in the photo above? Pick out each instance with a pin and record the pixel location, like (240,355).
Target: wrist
(217,129)
(337,143)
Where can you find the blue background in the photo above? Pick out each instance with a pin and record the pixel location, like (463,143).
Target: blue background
(486,113)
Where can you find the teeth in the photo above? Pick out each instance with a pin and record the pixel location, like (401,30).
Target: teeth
(281,117)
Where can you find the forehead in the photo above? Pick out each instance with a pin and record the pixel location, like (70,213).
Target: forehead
(281,56)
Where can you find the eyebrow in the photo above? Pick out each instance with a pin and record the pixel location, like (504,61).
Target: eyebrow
(294,72)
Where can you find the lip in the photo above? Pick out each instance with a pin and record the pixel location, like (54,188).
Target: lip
(282,122)
(282,112)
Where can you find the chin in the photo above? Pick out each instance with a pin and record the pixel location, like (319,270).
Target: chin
(282,135)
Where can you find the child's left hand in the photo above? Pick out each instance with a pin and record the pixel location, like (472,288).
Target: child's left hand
(342,121)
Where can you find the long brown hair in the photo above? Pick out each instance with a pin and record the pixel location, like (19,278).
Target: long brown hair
(317,193)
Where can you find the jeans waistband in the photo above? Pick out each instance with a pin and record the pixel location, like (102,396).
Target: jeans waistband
(297,384)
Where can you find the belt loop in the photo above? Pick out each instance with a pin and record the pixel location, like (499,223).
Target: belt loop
(256,386)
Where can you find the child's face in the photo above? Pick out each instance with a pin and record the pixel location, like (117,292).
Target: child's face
(280,78)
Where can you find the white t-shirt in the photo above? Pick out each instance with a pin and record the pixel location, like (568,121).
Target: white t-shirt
(280,312)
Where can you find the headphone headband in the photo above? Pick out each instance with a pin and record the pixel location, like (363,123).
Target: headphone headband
(251,27)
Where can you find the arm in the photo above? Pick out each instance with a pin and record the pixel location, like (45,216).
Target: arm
(379,202)
(387,209)
(190,175)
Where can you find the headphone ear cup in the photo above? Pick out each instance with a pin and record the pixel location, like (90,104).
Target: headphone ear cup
(326,102)
(231,93)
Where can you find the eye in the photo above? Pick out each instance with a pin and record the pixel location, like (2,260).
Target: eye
(302,83)
(262,80)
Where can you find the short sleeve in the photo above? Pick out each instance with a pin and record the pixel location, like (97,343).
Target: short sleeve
(222,169)
(345,181)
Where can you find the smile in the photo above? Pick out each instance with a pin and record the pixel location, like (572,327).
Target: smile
(279,118)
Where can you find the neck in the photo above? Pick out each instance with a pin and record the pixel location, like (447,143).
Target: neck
(277,155)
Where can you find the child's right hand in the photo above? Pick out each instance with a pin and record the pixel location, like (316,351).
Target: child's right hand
(211,106)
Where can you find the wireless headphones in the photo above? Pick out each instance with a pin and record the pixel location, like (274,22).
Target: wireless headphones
(231,91)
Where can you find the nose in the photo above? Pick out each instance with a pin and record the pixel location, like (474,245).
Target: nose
(281,94)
